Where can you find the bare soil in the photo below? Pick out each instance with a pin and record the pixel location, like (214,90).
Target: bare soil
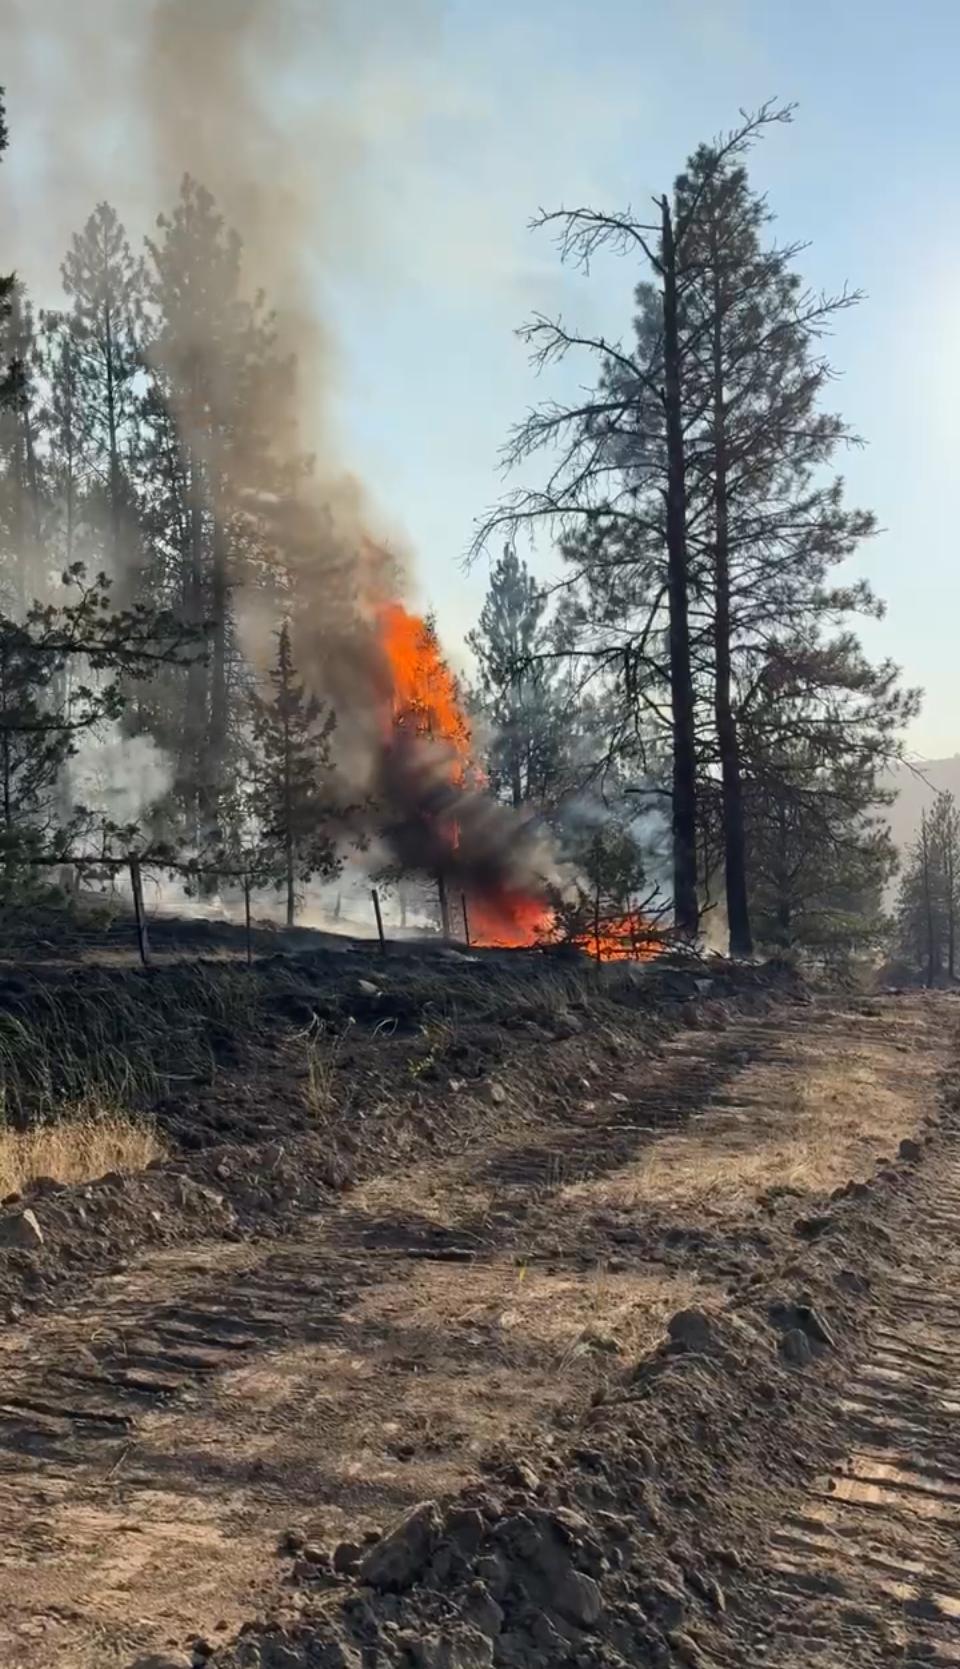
(444,1274)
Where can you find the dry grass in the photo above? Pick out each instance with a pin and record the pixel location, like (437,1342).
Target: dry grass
(811,1123)
(79,1148)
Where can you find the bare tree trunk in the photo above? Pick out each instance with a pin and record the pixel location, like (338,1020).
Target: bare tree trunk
(289,855)
(113,446)
(728,740)
(196,689)
(444,905)
(685,905)
(218,666)
(949,861)
(927,898)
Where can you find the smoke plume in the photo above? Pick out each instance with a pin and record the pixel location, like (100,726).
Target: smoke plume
(246,96)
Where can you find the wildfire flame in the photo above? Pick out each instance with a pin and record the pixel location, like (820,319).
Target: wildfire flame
(424,699)
(423,705)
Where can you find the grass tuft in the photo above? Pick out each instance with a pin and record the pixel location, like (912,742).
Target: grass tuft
(85,1144)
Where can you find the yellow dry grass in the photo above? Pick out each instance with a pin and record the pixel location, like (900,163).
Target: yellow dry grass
(79,1148)
(817,1122)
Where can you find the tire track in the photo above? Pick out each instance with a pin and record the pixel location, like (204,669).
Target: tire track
(866,1570)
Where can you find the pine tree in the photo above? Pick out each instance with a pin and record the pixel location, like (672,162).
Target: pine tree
(698,514)
(22,491)
(104,330)
(621,470)
(518,690)
(291,791)
(928,906)
(766,524)
(218,386)
(816,734)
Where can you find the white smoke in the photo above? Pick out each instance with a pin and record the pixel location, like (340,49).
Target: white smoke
(119,777)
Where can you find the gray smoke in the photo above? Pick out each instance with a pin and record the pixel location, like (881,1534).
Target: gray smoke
(246,96)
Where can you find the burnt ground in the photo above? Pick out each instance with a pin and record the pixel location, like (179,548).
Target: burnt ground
(421,1236)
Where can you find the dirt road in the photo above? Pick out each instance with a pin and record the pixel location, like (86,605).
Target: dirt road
(158,1436)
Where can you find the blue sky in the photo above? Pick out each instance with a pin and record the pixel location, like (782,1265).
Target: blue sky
(463,116)
(564,101)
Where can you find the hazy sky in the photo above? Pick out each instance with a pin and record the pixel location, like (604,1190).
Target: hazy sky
(469,114)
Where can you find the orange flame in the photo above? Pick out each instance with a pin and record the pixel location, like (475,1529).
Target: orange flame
(424,700)
(627,939)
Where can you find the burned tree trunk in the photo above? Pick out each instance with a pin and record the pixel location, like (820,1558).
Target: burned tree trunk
(685,905)
(444,899)
(728,740)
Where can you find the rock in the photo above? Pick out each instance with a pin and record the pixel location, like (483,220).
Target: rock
(482,1611)
(493,1572)
(566,1024)
(291,1541)
(247,1655)
(708,1588)
(396,1561)
(495,1092)
(812,1227)
(546,1633)
(465,1648)
(20,1228)
(201,1652)
(346,1557)
(577,1598)
(306,1570)
(687,1650)
(367,987)
(910,1150)
(464,1526)
(691,1330)
(795,1347)
(280,1654)
(521,1475)
(663,1603)
(801,1317)
(334,1655)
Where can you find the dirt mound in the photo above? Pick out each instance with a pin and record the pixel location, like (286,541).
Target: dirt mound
(279,1085)
(611,1551)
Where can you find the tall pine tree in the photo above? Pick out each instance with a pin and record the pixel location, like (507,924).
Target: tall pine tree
(101,356)
(292,799)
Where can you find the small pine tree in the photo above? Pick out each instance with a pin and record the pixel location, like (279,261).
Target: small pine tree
(291,788)
(518,692)
(928,906)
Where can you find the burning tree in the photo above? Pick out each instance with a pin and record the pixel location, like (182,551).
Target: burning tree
(291,789)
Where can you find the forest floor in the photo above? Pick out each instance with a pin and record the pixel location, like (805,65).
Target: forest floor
(627,1278)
